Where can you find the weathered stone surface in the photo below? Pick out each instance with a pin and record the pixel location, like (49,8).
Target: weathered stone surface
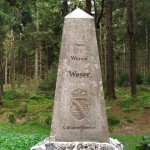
(79,108)
(47,145)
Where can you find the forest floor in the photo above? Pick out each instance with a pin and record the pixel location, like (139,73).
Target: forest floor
(136,122)
(125,114)
(127,117)
(133,114)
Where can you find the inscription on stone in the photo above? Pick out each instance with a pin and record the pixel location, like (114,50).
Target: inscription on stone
(78,58)
(79,127)
(79,46)
(79,75)
(79,108)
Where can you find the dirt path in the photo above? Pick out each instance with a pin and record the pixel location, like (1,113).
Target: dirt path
(140,124)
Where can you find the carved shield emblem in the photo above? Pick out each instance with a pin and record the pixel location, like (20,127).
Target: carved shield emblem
(79,108)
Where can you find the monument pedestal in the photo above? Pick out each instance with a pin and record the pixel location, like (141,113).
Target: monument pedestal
(47,145)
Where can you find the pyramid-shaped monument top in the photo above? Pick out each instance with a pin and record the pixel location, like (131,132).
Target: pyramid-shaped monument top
(78,13)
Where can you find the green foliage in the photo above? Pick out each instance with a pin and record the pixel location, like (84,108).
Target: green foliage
(129,141)
(18,142)
(21,137)
(40,119)
(129,119)
(126,103)
(130,105)
(40,112)
(48,120)
(144,98)
(148,79)
(143,89)
(24,129)
(39,109)
(10,95)
(35,97)
(25,142)
(113,120)
(143,144)
(122,80)
(47,85)
(139,79)
(11,118)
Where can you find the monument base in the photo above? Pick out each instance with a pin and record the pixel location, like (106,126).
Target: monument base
(47,145)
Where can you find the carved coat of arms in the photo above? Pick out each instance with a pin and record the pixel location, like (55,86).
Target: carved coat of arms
(79,108)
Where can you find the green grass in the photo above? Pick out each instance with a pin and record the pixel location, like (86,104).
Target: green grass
(39,109)
(129,141)
(24,129)
(18,141)
(15,136)
(21,137)
(129,104)
(25,136)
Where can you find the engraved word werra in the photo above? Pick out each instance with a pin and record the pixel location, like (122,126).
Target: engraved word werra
(78,58)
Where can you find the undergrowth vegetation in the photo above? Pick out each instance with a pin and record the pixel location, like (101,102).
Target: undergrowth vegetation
(131,104)
(39,108)
(122,80)
(143,145)
(47,85)
(26,129)
(18,141)
(130,142)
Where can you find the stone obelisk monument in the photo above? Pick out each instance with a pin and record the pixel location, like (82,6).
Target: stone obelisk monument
(79,108)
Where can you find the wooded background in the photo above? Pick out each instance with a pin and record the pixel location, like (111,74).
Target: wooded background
(31,30)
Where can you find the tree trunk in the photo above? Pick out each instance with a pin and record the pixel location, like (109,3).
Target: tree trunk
(25,69)
(20,66)
(6,69)
(110,53)
(37,45)
(140,62)
(40,55)
(12,61)
(148,63)
(131,45)
(29,67)
(147,50)
(88,6)
(36,63)
(124,57)
(1,69)
(99,16)
(64,8)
